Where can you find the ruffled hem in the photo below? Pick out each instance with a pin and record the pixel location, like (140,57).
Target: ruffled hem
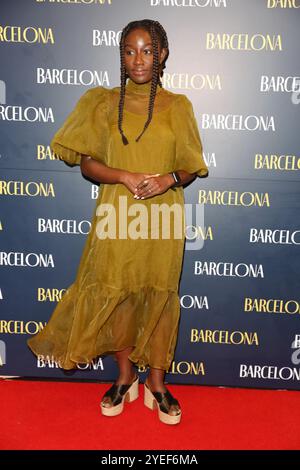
(88,323)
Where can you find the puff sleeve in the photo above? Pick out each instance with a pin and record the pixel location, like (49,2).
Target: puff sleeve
(85,130)
(189,156)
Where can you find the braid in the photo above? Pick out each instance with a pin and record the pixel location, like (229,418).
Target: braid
(158,34)
(123,83)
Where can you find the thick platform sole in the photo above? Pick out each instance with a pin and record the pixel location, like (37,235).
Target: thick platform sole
(131,395)
(151,403)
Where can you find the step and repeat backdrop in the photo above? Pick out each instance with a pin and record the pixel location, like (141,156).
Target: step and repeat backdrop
(238,62)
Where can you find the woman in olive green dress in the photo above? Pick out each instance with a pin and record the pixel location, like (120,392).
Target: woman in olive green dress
(141,143)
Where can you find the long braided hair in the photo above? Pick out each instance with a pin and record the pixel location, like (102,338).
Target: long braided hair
(158,34)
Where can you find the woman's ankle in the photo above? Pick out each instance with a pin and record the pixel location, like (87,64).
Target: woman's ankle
(126,377)
(155,385)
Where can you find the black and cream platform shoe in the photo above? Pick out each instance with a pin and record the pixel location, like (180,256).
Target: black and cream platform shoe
(169,411)
(117,394)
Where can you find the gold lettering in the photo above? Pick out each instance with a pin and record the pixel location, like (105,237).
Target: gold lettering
(45,153)
(29,34)
(20,327)
(224,337)
(30,188)
(277,162)
(233,198)
(271,306)
(283,4)
(243,42)
(52,295)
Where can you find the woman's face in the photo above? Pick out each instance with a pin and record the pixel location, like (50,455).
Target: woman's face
(138,57)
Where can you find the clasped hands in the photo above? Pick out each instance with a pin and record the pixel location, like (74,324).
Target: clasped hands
(144,186)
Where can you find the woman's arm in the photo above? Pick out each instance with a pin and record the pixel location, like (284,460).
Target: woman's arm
(100,172)
(185,176)
(133,181)
(160,184)
(106,174)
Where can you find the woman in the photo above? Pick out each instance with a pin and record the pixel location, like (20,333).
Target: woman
(141,143)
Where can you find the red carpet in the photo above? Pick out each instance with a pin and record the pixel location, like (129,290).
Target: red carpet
(66,415)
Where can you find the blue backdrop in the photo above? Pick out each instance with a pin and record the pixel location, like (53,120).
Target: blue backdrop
(238,62)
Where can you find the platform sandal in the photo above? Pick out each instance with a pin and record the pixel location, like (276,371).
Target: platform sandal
(117,395)
(163,402)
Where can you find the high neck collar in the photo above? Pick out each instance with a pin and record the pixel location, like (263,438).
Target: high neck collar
(140,88)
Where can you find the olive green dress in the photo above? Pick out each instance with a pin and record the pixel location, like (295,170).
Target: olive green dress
(126,288)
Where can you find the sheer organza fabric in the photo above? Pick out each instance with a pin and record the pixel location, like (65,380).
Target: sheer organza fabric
(125,292)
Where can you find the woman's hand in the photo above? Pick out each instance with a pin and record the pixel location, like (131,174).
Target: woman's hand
(153,185)
(131,180)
